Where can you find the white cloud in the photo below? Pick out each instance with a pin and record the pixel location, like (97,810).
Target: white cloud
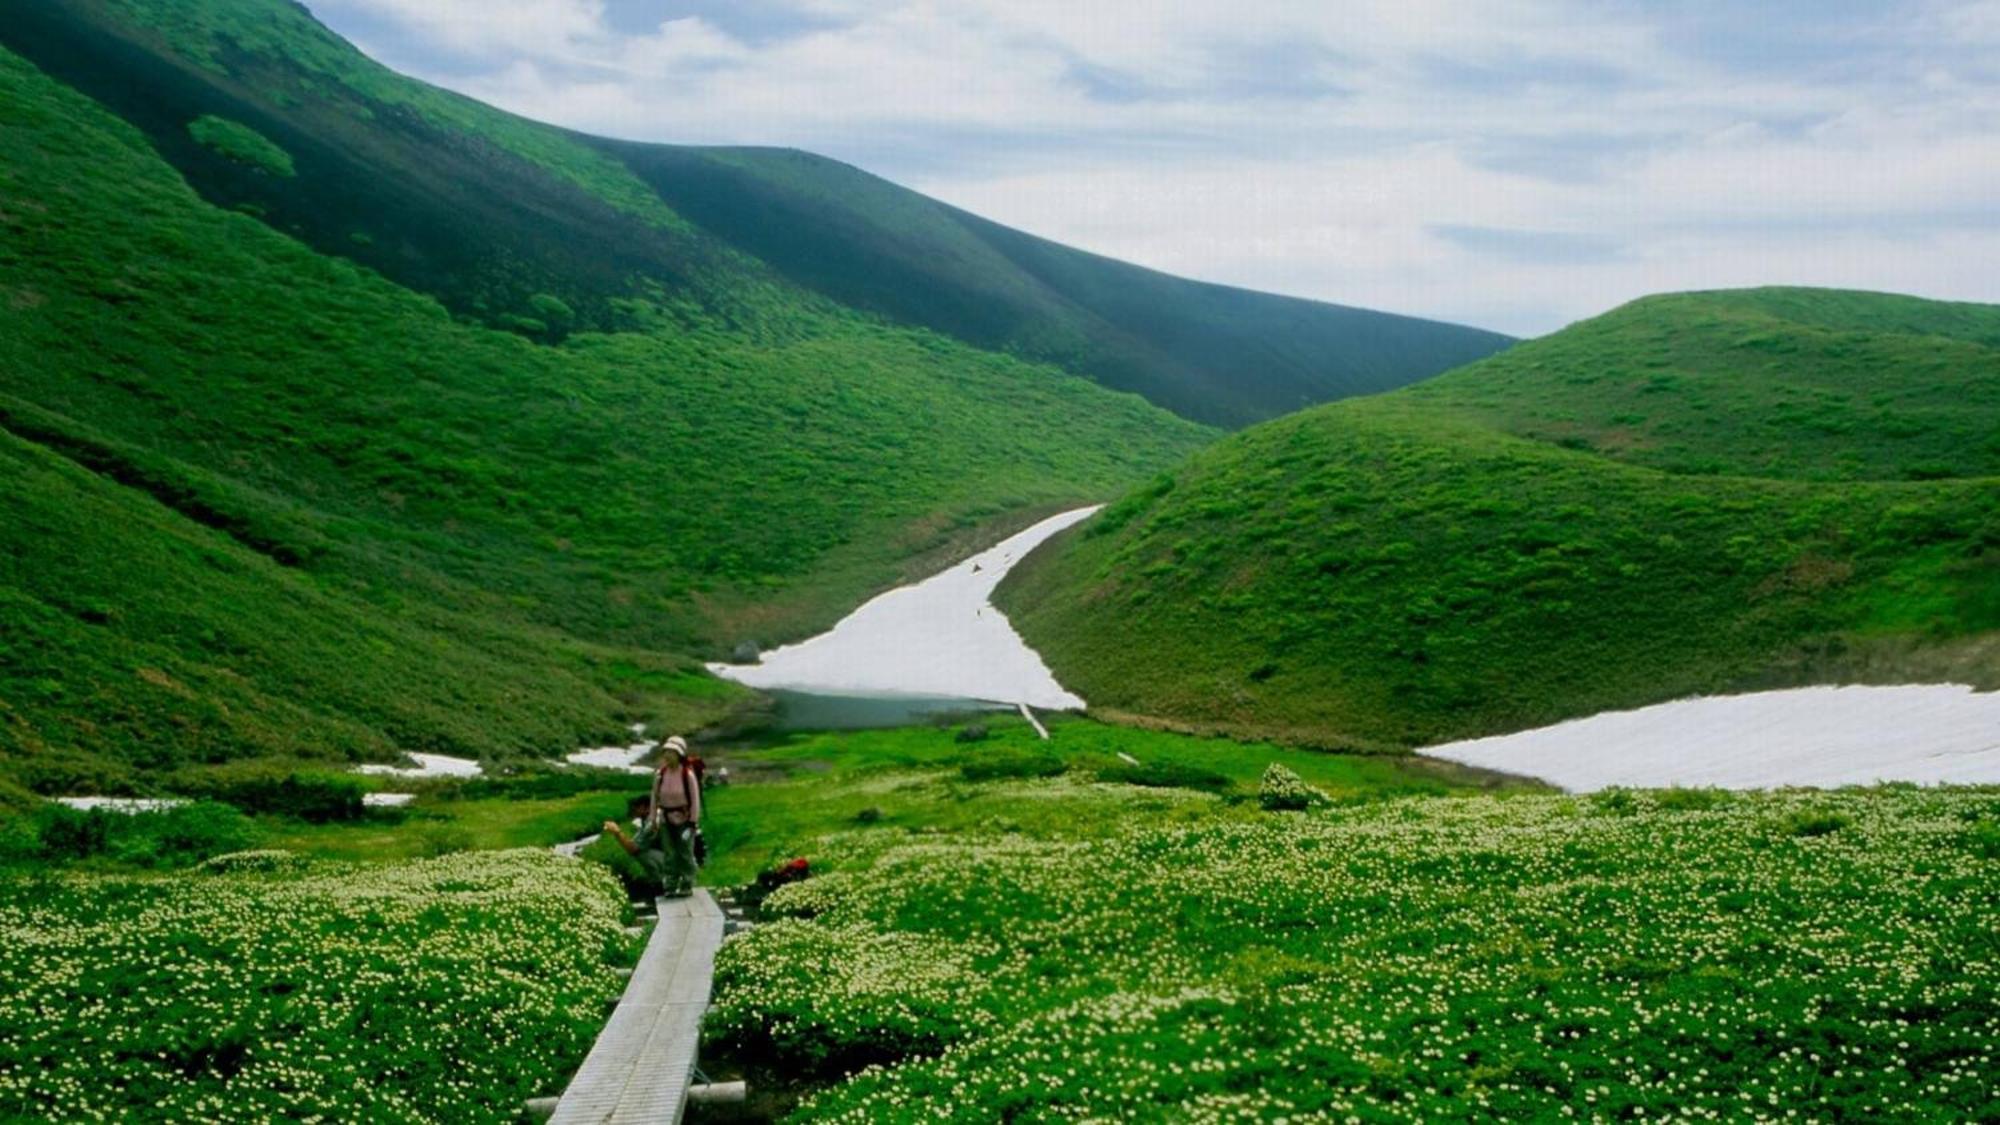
(1320,148)
(489,26)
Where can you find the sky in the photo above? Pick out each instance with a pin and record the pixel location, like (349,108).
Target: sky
(1514,164)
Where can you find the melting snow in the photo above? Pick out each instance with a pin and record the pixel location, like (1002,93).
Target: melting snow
(1820,736)
(428,765)
(939,637)
(615,757)
(122,804)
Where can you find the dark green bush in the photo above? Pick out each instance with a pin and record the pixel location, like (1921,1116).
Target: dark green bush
(547,783)
(1616,801)
(1163,775)
(1692,800)
(1002,764)
(66,833)
(180,836)
(277,789)
(172,837)
(1813,822)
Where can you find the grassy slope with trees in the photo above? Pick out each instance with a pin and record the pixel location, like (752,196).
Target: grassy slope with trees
(498,217)
(264,501)
(1689,494)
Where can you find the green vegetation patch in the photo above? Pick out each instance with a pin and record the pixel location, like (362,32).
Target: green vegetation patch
(1410,960)
(178,836)
(1796,384)
(443,990)
(798,789)
(242,144)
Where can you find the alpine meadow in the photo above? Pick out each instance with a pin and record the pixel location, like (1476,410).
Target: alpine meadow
(575,560)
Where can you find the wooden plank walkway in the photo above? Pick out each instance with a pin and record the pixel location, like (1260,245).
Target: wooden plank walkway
(639,1068)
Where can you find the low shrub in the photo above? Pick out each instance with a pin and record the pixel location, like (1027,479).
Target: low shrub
(1163,775)
(538,782)
(1282,789)
(1692,800)
(174,837)
(1615,801)
(444,839)
(277,789)
(1808,823)
(1007,764)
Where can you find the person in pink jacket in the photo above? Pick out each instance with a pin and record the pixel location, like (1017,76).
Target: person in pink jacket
(666,843)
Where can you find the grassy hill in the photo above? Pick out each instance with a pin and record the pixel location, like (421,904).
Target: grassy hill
(545,232)
(1690,494)
(1793,384)
(262,500)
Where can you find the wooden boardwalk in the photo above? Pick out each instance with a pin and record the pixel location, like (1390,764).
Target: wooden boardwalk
(638,1070)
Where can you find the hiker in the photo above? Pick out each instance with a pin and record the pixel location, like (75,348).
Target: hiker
(677,813)
(669,844)
(694,761)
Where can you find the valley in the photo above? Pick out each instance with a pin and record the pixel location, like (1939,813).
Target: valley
(1111,695)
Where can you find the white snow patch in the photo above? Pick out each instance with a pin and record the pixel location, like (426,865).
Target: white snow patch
(615,757)
(940,637)
(1819,736)
(122,804)
(428,765)
(387,800)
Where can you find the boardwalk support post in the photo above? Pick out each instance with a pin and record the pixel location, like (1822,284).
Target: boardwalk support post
(719,1093)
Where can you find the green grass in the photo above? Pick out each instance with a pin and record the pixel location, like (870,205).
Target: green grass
(918,780)
(265,502)
(432,827)
(1631,956)
(1792,384)
(442,990)
(1430,565)
(241,144)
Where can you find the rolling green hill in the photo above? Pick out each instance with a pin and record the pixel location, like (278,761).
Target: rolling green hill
(1692,493)
(545,232)
(263,500)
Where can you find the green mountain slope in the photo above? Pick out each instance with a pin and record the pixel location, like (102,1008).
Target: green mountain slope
(263,500)
(493,215)
(1210,352)
(1795,384)
(1503,547)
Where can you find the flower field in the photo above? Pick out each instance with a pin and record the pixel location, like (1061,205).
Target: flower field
(1688,955)
(262,987)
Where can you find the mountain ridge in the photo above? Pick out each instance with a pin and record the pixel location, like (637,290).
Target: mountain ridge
(488,211)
